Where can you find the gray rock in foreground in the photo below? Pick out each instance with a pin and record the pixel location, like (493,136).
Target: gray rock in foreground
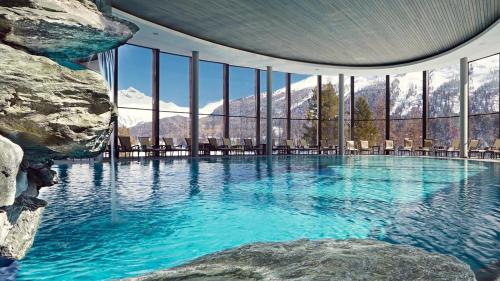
(11,155)
(320,260)
(63,30)
(18,225)
(51,111)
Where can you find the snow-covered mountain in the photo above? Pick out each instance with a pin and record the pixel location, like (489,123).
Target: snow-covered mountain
(132,99)
(406,101)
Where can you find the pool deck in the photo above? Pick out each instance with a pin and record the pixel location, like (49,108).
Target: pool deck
(129,159)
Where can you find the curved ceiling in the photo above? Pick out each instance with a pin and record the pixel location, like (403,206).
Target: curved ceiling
(334,32)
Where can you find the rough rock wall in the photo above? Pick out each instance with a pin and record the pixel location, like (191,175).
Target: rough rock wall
(48,111)
(61,30)
(319,260)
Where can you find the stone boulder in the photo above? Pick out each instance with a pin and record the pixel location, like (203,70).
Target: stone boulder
(51,111)
(64,30)
(18,225)
(320,260)
(11,155)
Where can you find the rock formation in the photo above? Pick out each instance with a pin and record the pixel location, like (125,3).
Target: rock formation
(48,111)
(20,210)
(320,260)
(11,155)
(61,30)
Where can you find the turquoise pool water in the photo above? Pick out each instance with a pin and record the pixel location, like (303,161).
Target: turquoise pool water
(167,212)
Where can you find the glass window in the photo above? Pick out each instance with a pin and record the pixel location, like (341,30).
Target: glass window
(406,107)
(134,77)
(369,109)
(303,108)
(134,92)
(241,104)
(444,105)
(210,101)
(483,100)
(263,108)
(174,98)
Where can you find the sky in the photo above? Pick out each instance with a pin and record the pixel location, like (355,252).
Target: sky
(135,70)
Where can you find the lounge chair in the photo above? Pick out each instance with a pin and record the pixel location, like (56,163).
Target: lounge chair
(147,147)
(281,148)
(248,146)
(305,147)
(291,148)
(350,147)
(326,147)
(389,147)
(407,147)
(364,147)
(127,147)
(213,145)
(426,149)
(189,143)
(454,148)
(227,147)
(170,147)
(494,150)
(474,149)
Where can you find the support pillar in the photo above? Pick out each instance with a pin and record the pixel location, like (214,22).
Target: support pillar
(269,111)
(351,131)
(155,92)
(225,99)
(194,102)
(257,107)
(341,114)
(115,100)
(425,105)
(387,107)
(319,131)
(288,81)
(464,106)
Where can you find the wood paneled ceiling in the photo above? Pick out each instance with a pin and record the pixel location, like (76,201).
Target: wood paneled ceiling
(334,32)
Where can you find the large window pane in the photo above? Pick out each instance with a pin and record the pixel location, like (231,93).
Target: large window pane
(242,128)
(210,101)
(406,107)
(211,126)
(330,111)
(444,105)
(304,108)
(241,104)
(369,109)
(134,77)
(174,83)
(174,98)
(444,93)
(484,128)
(279,107)
(304,130)
(263,107)
(128,125)
(134,96)
(483,100)
(443,130)
(241,91)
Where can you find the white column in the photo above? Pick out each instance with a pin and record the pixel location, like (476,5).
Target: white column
(341,114)
(195,135)
(269,112)
(464,107)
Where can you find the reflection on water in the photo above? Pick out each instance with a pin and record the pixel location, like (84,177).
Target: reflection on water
(166,212)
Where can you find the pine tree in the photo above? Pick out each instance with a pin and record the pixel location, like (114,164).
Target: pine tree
(330,109)
(364,129)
